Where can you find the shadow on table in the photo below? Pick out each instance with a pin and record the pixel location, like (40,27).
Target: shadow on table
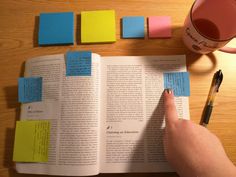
(78,29)
(36,31)
(193,58)
(11,99)
(12,103)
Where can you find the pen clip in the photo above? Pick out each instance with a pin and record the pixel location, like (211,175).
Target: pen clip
(218,78)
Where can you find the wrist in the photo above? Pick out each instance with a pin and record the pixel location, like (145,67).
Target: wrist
(220,170)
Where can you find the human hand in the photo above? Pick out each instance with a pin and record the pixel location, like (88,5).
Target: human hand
(192,150)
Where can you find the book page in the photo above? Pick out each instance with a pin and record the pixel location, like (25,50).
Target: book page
(72,106)
(132,113)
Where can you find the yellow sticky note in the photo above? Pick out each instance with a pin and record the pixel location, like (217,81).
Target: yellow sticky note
(98,26)
(31,141)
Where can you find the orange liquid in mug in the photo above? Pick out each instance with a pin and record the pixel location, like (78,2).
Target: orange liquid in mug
(207,28)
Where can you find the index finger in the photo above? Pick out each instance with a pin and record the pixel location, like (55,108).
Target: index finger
(169,106)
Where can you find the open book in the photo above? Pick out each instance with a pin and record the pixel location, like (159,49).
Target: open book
(109,122)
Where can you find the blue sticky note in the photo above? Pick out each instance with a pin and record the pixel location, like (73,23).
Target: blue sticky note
(179,82)
(56,28)
(133,27)
(30,89)
(78,63)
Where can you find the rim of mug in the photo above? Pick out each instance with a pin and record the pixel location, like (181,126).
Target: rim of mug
(212,39)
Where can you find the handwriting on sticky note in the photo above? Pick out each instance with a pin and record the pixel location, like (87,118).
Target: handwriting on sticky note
(179,82)
(78,63)
(31,141)
(30,89)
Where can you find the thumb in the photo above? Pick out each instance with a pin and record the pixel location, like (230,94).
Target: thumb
(169,106)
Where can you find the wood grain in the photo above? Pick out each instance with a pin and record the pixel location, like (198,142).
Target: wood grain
(18,42)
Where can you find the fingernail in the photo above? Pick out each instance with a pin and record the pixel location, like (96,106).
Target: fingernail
(168,90)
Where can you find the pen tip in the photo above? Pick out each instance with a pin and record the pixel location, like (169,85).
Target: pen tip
(218,79)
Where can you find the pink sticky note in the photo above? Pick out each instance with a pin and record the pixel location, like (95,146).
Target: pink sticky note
(159,27)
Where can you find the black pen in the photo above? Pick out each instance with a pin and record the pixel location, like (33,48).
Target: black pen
(215,85)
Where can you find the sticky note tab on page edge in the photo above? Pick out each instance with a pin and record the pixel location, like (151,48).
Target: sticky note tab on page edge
(78,63)
(179,82)
(98,26)
(30,89)
(31,141)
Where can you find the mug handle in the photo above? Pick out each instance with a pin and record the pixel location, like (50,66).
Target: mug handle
(228,50)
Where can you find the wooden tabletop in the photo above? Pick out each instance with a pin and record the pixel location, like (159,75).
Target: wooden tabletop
(18,42)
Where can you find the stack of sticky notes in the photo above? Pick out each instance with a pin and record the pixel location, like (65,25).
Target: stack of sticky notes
(56,28)
(31,141)
(159,27)
(133,27)
(98,26)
